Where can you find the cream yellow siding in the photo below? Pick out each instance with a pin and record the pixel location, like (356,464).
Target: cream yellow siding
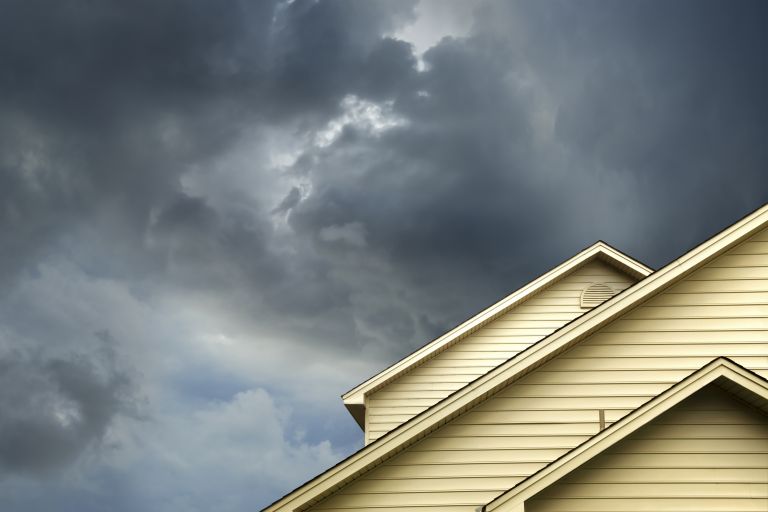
(719,310)
(710,453)
(485,349)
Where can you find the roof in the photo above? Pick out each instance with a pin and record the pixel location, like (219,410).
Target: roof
(519,365)
(354,399)
(722,371)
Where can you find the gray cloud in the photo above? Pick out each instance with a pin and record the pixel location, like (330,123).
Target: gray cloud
(510,133)
(55,408)
(289,201)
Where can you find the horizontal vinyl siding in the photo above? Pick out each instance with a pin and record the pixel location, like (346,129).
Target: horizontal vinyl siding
(541,416)
(484,350)
(676,463)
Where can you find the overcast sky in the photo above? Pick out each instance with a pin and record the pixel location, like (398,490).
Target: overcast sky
(216,217)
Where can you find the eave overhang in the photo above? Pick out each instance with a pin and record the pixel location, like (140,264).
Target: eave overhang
(354,399)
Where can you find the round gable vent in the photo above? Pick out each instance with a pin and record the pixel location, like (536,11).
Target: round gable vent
(595,294)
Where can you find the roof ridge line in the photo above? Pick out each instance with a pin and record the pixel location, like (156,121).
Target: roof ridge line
(476,321)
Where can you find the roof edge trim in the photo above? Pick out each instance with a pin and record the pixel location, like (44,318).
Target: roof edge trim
(599,249)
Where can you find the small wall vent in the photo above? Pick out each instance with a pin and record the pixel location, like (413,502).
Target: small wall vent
(595,294)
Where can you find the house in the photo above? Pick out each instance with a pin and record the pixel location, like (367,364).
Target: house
(599,386)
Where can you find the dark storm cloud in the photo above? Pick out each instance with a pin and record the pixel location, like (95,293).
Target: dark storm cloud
(324,50)
(289,201)
(673,96)
(105,102)
(667,103)
(55,408)
(104,107)
(446,197)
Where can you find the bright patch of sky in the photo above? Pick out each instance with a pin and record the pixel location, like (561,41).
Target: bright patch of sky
(436,19)
(361,114)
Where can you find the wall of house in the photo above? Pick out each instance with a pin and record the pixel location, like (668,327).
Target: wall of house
(484,350)
(710,453)
(719,310)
